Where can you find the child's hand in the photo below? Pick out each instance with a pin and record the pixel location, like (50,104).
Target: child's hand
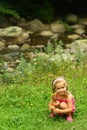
(52,107)
(56,111)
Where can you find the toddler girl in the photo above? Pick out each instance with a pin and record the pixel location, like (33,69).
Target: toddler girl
(62,101)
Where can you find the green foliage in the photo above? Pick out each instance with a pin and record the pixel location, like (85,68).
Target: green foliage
(7,77)
(22,72)
(18,8)
(81,57)
(50,48)
(49,64)
(45,12)
(6,9)
(54,45)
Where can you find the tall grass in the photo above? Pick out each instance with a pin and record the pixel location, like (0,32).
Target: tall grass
(24,98)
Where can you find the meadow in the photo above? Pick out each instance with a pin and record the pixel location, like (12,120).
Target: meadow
(24,95)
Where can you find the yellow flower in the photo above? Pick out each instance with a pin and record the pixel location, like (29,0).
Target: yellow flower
(6,116)
(31,104)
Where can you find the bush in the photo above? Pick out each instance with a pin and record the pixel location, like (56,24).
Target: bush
(6,9)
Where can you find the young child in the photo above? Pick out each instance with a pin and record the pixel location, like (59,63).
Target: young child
(62,101)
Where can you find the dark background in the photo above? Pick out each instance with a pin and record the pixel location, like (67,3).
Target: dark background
(74,6)
(45,10)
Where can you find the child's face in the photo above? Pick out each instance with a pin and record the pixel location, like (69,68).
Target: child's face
(60,88)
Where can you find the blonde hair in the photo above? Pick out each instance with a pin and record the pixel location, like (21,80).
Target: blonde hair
(58,80)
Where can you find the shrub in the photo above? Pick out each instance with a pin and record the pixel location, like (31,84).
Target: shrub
(6,9)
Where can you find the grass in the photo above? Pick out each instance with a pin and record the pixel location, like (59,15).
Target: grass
(25,94)
(25,107)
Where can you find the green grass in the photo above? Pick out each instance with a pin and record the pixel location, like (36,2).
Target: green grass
(25,94)
(25,107)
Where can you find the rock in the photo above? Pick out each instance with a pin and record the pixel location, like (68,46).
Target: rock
(17,61)
(23,37)
(42,54)
(46,33)
(13,47)
(57,28)
(72,18)
(74,36)
(83,21)
(12,31)
(10,70)
(35,26)
(29,55)
(79,31)
(6,58)
(2,45)
(76,26)
(25,47)
(78,45)
(39,47)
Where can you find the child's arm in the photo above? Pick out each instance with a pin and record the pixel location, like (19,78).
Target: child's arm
(51,106)
(53,103)
(56,103)
(67,110)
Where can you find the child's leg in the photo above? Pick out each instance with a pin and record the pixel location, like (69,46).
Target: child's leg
(69,117)
(63,105)
(55,104)
(52,114)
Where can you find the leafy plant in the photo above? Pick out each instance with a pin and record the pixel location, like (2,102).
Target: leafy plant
(45,12)
(6,9)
